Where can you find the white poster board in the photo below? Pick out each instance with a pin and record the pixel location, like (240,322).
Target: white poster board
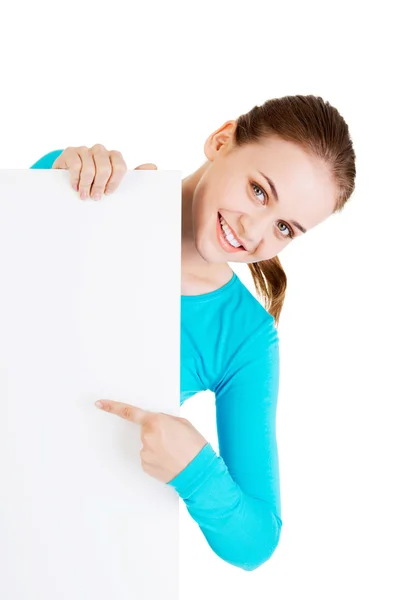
(89,309)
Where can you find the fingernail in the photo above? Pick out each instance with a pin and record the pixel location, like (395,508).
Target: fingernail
(108,191)
(97,196)
(99,403)
(83,195)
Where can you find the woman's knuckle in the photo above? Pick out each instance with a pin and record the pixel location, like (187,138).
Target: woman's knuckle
(105,170)
(154,421)
(126,412)
(98,148)
(120,167)
(146,436)
(88,172)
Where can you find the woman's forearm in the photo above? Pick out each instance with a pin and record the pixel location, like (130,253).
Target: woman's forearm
(241,529)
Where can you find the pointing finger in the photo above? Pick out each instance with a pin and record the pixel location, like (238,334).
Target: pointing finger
(125,411)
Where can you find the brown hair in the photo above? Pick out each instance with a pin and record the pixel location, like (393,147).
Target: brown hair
(319,128)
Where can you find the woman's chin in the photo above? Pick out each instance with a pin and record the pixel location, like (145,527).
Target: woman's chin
(209,252)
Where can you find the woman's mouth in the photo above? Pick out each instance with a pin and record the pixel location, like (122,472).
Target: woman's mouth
(227,238)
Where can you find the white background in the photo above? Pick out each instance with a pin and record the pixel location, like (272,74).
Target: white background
(154,80)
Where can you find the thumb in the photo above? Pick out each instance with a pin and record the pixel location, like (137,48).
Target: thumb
(146,167)
(60,162)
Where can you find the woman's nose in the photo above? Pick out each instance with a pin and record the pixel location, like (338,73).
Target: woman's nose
(254,230)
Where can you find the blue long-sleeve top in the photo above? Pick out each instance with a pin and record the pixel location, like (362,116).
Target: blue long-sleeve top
(230,345)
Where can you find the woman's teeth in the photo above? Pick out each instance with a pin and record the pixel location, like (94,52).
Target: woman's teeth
(228,234)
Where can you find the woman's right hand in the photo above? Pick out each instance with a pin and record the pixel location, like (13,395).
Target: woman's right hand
(96,170)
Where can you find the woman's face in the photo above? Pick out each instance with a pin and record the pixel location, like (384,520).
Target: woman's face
(265,194)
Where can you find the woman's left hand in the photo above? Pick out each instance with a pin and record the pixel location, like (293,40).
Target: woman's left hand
(169,443)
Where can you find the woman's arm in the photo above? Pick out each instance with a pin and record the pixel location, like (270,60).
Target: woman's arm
(46,162)
(235,497)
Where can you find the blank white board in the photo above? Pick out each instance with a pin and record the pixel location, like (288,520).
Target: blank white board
(89,309)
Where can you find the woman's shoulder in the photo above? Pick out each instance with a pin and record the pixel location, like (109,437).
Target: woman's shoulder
(232,310)
(254,317)
(251,358)
(227,332)
(247,324)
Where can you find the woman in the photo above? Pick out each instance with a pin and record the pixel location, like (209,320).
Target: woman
(270,176)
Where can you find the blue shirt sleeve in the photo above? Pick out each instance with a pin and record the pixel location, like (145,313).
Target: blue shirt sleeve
(235,497)
(46,162)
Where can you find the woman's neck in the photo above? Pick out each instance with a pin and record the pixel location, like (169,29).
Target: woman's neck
(194,267)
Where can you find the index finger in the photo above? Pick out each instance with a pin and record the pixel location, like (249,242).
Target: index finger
(71,160)
(126,411)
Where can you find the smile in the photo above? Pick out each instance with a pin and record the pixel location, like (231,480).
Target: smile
(227,238)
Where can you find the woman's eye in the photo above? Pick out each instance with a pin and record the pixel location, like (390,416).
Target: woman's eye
(261,195)
(289,233)
(258,190)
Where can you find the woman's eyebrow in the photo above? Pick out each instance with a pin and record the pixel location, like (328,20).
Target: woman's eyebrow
(272,186)
(275,193)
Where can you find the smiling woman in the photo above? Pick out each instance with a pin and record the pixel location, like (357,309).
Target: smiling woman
(270,176)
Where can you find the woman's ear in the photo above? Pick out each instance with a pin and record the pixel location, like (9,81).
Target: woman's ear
(220,141)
